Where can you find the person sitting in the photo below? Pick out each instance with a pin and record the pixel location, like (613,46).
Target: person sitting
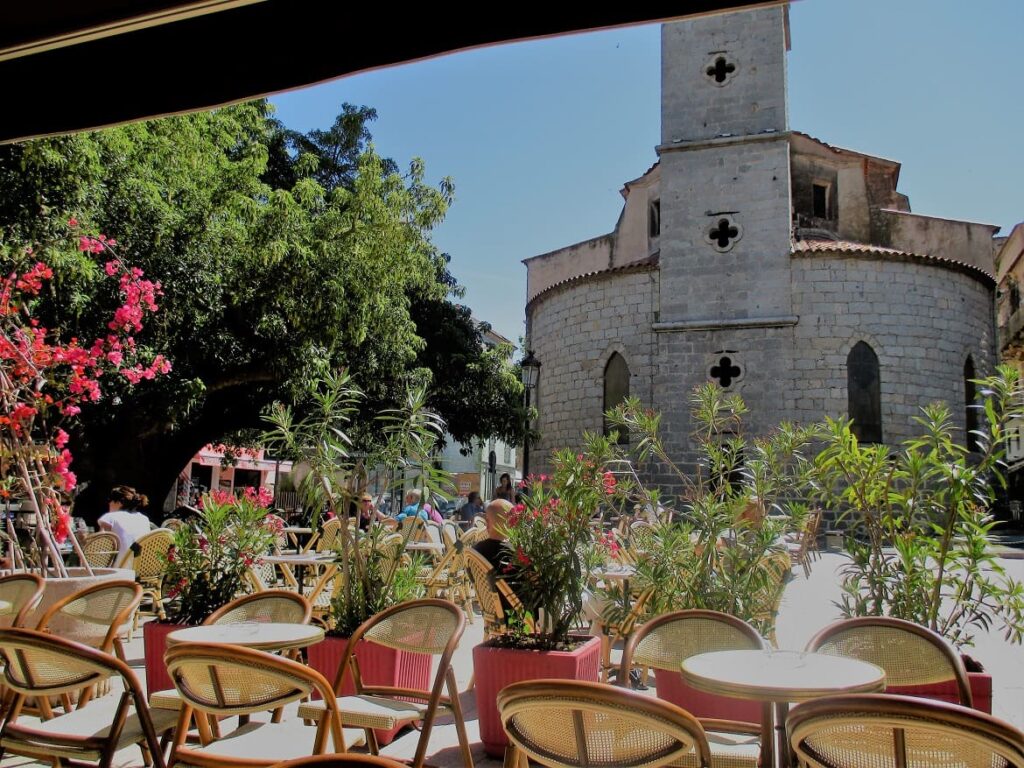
(125,517)
(472,507)
(368,513)
(413,509)
(493,547)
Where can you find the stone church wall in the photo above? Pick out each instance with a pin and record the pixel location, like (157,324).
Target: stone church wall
(574,330)
(922,321)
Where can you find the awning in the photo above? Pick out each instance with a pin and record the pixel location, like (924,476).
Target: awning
(70,66)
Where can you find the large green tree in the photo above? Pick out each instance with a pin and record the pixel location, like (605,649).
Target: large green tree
(282,255)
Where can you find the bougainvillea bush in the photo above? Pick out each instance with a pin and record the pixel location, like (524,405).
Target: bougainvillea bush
(45,381)
(207,563)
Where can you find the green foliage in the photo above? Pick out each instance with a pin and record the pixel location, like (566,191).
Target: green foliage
(917,520)
(550,534)
(207,563)
(724,552)
(319,440)
(282,256)
(386,581)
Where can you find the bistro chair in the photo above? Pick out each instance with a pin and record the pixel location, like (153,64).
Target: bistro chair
(575,724)
(909,653)
(803,546)
(39,666)
(774,570)
(447,577)
(148,556)
(341,761)
(665,642)
(866,730)
(220,681)
(419,626)
(324,540)
(20,593)
(95,616)
(494,595)
(101,548)
(173,523)
(277,606)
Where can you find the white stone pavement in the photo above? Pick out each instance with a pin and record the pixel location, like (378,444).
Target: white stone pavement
(807,606)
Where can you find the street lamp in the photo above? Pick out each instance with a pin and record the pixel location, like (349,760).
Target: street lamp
(531,373)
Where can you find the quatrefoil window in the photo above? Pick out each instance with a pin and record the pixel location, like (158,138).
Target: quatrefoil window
(720,70)
(723,232)
(725,371)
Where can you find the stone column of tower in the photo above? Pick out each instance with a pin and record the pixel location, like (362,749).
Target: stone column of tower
(726,300)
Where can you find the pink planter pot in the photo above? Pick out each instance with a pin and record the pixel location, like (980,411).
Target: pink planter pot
(377,666)
(670,687)
(154,638)
(496,668)
(981,691)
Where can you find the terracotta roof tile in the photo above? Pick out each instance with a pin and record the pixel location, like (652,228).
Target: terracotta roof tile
(802,247)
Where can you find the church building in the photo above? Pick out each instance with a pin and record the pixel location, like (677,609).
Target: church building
(784,268)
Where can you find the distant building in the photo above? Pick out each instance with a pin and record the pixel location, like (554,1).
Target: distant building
(1010,317)
(208,470)
(472,470)
(784,268)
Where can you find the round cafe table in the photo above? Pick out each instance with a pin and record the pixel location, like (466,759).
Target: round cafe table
(262,636)
(779,677)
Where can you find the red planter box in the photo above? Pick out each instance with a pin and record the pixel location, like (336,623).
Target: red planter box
(496,668)
(670,687)
(981,691)
(377,666)
(154,639)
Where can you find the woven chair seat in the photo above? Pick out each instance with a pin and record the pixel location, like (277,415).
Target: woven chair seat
(728,750)
(91,721)
(372,711)
(169,699)
(273,742)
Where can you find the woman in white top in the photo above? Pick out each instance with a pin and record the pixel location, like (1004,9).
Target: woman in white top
(124,517)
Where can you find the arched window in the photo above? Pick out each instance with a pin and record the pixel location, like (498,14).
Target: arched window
(971,410)
(865,399)
(616,389)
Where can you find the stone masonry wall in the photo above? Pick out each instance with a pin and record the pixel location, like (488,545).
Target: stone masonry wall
(573,330)
(921,320)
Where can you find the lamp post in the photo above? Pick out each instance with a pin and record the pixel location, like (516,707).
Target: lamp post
(531,373)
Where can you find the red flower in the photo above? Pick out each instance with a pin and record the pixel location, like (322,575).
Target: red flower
(609,483)
(522,557)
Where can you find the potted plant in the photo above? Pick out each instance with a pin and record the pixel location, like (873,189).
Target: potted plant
(916,524)
(720,548)
(206,566)
(548,538)
(369,578)
(387,581)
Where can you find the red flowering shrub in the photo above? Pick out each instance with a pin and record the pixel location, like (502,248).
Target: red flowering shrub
(44,381)
(207,563)
(552,535)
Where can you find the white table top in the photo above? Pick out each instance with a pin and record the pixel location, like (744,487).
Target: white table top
(301,558)
(614,573)
(423,546)
(264,636)
(782,676)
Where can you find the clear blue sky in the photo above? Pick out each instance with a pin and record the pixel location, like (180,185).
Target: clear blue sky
(540,136)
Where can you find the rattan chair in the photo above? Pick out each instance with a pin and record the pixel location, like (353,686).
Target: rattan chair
(39,666)
(909,653)
(803,547)
(20,593)
(573,724)
(868,730)
(473,535)
(96,616)
(278,605)
(419,626)
(341,761)
(663,643)
(172,523)
(776,569)
(490,591)
(101,548)
(446,577)
(148,556)
(219,681)
(324,540)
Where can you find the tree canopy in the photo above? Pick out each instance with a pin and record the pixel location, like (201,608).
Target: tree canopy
(282,256)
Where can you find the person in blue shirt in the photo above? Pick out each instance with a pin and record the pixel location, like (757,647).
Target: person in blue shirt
(412,507)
